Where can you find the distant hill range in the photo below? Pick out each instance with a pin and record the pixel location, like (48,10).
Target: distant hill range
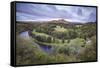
(60,21)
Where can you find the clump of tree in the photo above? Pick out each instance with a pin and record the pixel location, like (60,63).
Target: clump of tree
(89,54)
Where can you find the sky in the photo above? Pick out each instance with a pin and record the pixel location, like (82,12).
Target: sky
(45,12)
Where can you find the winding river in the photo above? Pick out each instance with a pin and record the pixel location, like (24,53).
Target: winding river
(46,49)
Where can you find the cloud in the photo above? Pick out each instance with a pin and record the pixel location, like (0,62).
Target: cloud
(26,11)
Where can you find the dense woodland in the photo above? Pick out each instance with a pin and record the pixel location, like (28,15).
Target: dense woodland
(51,42)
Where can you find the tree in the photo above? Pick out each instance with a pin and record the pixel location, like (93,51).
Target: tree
(63,40)
(49,39)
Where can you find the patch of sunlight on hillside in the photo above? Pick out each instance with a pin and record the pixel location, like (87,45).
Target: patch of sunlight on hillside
(60,29)
(78,26)
(77,41)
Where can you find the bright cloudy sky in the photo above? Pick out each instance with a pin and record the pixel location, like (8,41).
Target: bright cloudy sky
(42,12)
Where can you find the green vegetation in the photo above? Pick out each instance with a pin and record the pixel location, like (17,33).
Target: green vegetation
(60,29)
(55,43)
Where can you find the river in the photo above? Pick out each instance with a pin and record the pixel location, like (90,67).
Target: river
(46,49)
